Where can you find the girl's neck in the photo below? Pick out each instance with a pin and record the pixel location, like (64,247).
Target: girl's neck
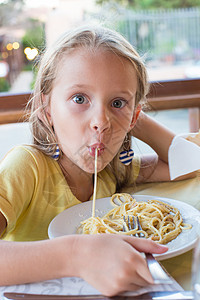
(80,182)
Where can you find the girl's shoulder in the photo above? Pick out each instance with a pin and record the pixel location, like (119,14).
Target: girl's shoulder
(22,152)
(24,156)
(29,151)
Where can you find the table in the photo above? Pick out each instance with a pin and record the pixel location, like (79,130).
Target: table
(178,267)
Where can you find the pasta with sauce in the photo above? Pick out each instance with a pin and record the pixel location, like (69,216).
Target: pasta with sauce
(160,221)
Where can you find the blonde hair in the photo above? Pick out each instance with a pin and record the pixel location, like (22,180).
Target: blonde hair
(89,37)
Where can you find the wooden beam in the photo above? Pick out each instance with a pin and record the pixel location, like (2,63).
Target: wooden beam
(12,102)
(173,102)
(174,88)
(12,117)
(163,95)
(12,107)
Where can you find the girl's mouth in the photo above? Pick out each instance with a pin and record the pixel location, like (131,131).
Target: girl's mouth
(99,146)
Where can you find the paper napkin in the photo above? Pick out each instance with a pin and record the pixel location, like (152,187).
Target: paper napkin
(183,157)
(77,286)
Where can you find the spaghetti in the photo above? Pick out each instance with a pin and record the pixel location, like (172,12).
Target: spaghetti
(159,221)
(95,184)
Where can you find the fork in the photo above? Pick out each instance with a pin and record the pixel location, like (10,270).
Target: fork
(157,272)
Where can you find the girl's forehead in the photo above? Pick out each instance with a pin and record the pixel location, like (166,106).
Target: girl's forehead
(95,56)
(99,69)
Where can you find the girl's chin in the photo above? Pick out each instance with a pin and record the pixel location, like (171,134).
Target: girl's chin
(87,164)
(91,168)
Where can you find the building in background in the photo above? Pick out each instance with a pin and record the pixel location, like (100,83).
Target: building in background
(66,14)
(168,40)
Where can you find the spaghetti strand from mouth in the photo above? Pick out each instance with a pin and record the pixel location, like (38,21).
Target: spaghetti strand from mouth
(95,183)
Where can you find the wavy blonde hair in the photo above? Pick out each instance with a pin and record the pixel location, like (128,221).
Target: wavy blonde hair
(93,38)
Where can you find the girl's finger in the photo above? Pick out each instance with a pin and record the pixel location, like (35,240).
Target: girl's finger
(145,245)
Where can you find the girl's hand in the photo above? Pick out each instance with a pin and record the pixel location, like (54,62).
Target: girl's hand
(113,263)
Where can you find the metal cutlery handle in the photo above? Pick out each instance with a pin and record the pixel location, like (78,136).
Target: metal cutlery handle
(157,272)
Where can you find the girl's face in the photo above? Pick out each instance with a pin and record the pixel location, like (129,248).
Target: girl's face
(92,106)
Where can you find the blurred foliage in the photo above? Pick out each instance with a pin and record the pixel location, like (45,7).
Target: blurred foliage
(28,67)
(4,85)
(34,38)
(153,4)
(35,71)
(35,35)
(9,11)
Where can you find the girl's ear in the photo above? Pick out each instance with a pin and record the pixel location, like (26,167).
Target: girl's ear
(135,115)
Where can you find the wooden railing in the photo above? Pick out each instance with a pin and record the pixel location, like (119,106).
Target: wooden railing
(163,95)
(12,107)
(177,94)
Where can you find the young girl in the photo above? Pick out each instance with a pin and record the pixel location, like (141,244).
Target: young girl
(87,96)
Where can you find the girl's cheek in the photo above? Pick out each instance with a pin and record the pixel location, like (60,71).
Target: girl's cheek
(125,119)
(76,108)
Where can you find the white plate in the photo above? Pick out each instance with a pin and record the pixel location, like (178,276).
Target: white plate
(69,220)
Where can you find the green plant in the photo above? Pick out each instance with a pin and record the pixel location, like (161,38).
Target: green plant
(4,85)
(34,36)
(153,4)
(28,67)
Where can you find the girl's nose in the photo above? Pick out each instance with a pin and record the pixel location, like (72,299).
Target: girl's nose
(100,121)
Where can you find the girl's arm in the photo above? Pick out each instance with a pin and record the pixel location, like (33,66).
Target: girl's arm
(110,263)
(158,137)
(154,134)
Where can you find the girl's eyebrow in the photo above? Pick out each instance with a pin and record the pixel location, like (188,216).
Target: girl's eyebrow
(122,92)
(128,93)
(79,85)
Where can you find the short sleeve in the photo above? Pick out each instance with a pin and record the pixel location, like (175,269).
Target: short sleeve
(18,173)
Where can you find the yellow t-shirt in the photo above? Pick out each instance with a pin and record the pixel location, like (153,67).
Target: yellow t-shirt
(33,191)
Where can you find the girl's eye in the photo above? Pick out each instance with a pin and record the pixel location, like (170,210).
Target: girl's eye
(79,99)
(119,103)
